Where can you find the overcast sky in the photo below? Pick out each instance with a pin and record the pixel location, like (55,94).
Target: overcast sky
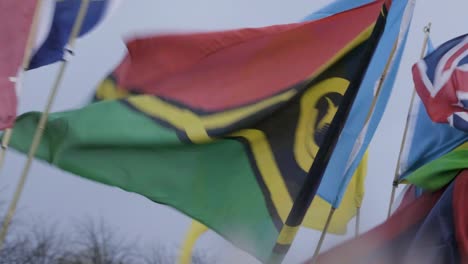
(64,198)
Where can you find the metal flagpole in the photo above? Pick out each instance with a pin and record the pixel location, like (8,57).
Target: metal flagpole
(381,81)
(315,174)
(42,121)
(358,221)
(26,58)
(322,236)
(427,31)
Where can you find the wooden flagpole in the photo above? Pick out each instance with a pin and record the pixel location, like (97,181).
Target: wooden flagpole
(427,31)
(4,145)
(43,119)
(24,65)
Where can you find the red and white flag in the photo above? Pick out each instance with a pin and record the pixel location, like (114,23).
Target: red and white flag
(441,80)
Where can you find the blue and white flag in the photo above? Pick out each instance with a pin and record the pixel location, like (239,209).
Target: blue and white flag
(363,120)
(64,16)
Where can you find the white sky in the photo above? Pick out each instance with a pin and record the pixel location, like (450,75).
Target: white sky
(57,196)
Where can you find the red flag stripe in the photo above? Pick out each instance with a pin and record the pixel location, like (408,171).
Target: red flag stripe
(238,67)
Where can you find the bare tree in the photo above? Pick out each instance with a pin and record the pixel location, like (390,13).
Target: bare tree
(164,255)
(38,245)
(91,242)
(201,257)
(159,255)
(96,243)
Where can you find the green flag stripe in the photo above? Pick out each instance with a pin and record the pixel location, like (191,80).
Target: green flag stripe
(271,191)
(109,143)
(261,183)
(438,173)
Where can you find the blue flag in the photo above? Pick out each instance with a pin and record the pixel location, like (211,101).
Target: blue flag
(360,126)
(63,20)
(336,7)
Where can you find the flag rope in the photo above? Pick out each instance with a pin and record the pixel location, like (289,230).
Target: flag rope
(26,58)
(42,121)
(427,31)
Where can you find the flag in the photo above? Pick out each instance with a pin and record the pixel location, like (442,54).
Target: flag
(226,132)
(336,7)
(120,84)
(441,80)
(17,19)
(430,229)
(363,120)
(53,28)
(426,140)
(406,196)
(63,20)
(460,198)
(384,243)
(433,152)
(352,146)
(315,219)
(440,171)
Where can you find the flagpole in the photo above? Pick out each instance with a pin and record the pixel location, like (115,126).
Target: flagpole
(43,119)
(26,58)
(5,141)
(427,31)
(381,81)
(358,221)
(317,170)
(322,235)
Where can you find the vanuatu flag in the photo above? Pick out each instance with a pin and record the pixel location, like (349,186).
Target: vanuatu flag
(227,124)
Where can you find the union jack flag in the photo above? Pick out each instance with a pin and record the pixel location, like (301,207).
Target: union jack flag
(441,80)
